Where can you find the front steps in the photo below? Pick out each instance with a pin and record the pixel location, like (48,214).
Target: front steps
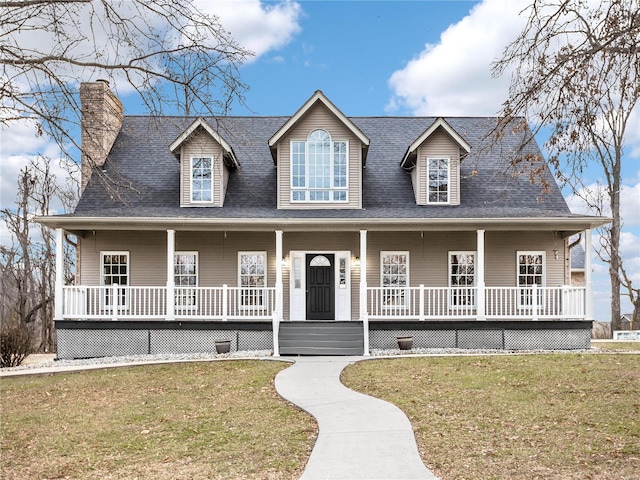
(321,338)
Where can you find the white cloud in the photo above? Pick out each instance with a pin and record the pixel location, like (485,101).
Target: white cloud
(629,202)
(453,77)
(19,146)
(254,25)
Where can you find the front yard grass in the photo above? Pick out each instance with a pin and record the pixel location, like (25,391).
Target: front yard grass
(562,416)
(616,345)
(180,421)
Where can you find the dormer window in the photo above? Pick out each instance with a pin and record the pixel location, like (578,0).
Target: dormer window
(201,180)
(438,180)
(319,169)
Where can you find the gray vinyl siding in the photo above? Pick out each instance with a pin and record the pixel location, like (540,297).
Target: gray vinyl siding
(501,250)
(429,255)
(202,145)
(218,255)
(147,256)
(319,117)
(441,145)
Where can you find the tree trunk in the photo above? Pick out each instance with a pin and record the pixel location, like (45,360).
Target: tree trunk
(614,239)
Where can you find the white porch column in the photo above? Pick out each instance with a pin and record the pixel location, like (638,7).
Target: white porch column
(171,297)
(59,292)
(588,282)
(480,296)
(364,315)
(277,315)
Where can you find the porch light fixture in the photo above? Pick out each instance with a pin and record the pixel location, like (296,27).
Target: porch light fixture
(356,262)
(284,261)
(555,254)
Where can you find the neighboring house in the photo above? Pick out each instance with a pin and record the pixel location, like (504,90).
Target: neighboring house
(625,321)
(315,233)
(577,266)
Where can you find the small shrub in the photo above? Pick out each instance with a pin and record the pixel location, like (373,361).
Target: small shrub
(15,343)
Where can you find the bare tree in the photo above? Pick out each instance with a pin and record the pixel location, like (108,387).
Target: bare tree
(576,72)
(171,53)
(28,264)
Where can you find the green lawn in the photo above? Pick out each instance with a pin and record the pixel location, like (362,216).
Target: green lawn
(563,416)
(181,421)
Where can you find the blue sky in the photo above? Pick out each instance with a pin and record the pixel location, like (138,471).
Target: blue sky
(377,58)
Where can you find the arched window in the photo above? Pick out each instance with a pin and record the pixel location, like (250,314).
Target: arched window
(320,261)
(319,169)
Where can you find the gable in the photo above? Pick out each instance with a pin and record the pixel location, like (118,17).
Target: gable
(319,117)
(438,145)
(201,124)
(317,98)
(200,144)
(439,125)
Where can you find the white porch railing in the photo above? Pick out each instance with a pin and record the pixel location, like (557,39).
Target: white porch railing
(124,302)
(427,303)
(410,303)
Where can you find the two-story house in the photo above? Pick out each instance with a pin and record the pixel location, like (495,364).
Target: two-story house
(313,234)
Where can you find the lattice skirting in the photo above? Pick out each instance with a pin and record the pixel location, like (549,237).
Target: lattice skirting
(90,343)
(494,339)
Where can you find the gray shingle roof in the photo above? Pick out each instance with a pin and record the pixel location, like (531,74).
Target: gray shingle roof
(145,174)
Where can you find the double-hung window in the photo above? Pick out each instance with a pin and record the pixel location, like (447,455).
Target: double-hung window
(185,277)
(394,273)
(319,169)
(462,279)
(252,278)
(438,180)
(201,179)
(115,271)
(530,273)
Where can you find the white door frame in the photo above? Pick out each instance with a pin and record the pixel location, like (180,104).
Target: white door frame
(297,283)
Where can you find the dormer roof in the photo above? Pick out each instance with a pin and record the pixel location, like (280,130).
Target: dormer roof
(318,96)
(200,122)
(408,161)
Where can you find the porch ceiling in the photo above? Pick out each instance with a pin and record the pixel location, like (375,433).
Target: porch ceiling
(565,225)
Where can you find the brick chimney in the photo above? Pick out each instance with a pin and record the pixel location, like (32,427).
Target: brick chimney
(101,123)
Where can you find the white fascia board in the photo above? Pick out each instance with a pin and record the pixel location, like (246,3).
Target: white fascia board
(318,96)
(201,122)
(439,122)
(308,224)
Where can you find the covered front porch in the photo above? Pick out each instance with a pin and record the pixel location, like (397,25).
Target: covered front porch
(356,263)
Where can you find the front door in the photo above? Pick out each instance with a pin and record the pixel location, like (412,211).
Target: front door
(320,287)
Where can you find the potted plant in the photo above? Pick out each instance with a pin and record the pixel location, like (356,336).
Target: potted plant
(223,346)
(405,343)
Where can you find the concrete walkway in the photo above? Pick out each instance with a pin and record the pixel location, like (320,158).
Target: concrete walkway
(360,437)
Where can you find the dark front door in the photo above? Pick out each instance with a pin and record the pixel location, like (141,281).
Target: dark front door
(320,287)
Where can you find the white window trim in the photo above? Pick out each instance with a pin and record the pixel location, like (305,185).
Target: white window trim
(452,305)
(541,298)
(194,307)
(306,188)
(103,299)
(191,200)
(241,305)
(405,298)
(449,164)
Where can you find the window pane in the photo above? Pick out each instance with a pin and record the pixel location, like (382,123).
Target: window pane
(201,180)
(438,180)
(462,275)
(252,278)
